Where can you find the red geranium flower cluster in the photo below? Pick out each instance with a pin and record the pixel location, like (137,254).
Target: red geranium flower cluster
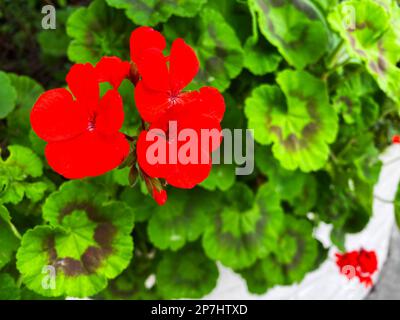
(361,264)
(82,128)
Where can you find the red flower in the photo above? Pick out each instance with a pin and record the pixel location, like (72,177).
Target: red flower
(361,264)
(396,139)
(187,160)
(82,128)
(162,78)
(161,101)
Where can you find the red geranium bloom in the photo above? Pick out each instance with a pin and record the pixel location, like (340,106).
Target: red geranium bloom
(202,111)
(396,139)
(82,128)
(162,78)
(361,264)
(160,101)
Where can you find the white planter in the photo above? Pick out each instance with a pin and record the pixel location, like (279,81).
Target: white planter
(326,282)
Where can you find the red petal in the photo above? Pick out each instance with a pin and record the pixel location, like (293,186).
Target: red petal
(178,175)
(112,70)
(212,103)
(193,109)
(184,65)
(82,80)
(366,280)
(110,116)
(150,104)
(144,38)
(188,176)
(55,116)
(368,261)
(89,155)
(153,69)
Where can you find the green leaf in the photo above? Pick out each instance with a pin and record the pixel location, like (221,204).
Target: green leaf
(244,231)
(354,101)
(28,91)
(297,254)
(136,282)
(222,177)
(216,44)
(370,32)
(259,59)
(121,176)
(143,206)
(397,207)
(22,164)
(182,219)
(326,5)
(98,31)
(54,42)
(338,238)
(236,13)
(298,120)
(38,145)
(18,122)
(296,28)
(8,95)
(132,123)
(219,51)
(344,199)
(9,289)
(362,153)
(264,274)
(152,12)
(297,189)
(9,238)
(35,191)
(297,249)
(186,274)
(79,237)
(88,241)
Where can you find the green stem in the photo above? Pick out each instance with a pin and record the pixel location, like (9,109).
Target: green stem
(388,111)
(346,147)
(254,37)
(19,281)
(336,55)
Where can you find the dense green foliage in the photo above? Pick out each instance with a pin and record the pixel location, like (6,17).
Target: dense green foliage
(322,97)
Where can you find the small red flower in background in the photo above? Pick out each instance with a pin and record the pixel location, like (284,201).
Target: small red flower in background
(361,264)
(160,101)
(396,139)
(82,128)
